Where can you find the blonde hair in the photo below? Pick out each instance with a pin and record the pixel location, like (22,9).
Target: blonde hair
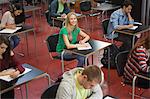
(67,21)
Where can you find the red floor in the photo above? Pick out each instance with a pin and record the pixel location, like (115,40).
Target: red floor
(52,67)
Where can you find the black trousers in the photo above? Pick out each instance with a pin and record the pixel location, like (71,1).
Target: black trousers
(127,41)
(9,94)
(143,83)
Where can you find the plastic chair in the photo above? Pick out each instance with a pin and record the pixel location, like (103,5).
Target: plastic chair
(50,92)
(52,41)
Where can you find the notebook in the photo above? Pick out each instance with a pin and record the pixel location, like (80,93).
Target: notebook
(8,78)
(85,46)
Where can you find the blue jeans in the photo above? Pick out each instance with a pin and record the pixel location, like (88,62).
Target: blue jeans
(14,41)
(81,59)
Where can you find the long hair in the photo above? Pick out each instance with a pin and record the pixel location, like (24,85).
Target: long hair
(6,55)
(67,21)
(144,41)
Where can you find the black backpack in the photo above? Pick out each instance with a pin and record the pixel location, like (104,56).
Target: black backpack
(113,52)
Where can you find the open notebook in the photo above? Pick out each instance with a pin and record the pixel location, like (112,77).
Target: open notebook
(10,30)
(85,46)
(8,78)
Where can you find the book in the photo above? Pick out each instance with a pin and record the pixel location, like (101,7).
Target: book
(85,46)
(8,78)
(10,30)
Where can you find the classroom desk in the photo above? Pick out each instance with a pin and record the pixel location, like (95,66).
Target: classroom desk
(24,79)
(139,30)
(62,19)
(24,30)
(33,9)
(104,7)
(96,46)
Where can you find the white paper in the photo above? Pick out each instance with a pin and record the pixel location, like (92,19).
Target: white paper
(133,28)
(10,30)
(108,97)
(85,46)
(8,78)
(138,23)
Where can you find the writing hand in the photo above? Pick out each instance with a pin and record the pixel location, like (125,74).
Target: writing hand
(15,74)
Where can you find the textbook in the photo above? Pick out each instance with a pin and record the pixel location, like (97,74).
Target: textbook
(8,78)
(10,30)
(85,46)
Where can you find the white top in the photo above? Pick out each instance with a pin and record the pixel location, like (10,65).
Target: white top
(7,19)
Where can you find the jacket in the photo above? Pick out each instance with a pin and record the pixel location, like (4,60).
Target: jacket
(67,87)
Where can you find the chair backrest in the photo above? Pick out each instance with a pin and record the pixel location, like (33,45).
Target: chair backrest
(85,5)
(105,25)
(52,41)
(121,60)
(47,16)
(50,92)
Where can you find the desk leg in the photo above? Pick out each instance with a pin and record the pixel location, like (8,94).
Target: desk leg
(86,61)
(108,64)
(35,43)
(26,85)
(133,40)
(26,36)
(62,61)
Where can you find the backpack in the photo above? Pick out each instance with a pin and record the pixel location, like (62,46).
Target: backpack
(113,52)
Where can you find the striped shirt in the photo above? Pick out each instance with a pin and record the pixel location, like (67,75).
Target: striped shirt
(136,63)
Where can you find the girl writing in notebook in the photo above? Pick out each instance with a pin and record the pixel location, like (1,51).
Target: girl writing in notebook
(8,65)
(68,38)
(9,21)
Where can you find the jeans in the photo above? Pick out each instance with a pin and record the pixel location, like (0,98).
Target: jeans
(14,41)
(69,56)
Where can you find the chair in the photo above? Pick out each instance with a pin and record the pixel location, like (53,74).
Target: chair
(50,92)
(105,23)
(121,60)
(52,41)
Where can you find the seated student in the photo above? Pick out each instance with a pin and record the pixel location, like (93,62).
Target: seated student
(138,61)
(7,62)
(81,83)
(58,8)
(68,38)
(121,19)
(8,21)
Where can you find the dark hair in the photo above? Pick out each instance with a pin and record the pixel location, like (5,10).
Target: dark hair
(126,3)
(4,39)
(144,41)
(92,72)
(14,7)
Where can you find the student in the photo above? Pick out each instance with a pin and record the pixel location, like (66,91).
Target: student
(68,38)
(7,62)
(121,19)
(8,21)
(58,8)
(138,61)
(81,83)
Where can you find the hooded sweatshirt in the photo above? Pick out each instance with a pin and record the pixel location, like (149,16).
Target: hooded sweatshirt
(67,87)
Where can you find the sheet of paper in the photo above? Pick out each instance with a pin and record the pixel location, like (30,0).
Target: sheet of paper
(10,30)
(8,78)
(108,97)
(85,46)
(137,23)
(133,28)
